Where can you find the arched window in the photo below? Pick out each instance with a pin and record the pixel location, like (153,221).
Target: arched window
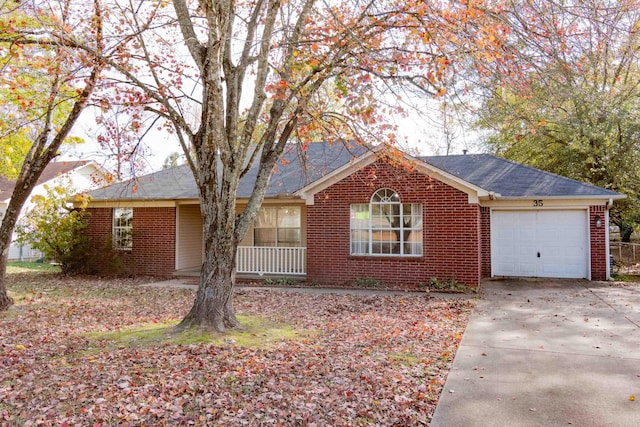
(386,226)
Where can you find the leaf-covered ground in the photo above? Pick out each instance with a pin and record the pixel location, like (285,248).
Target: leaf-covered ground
(351,360)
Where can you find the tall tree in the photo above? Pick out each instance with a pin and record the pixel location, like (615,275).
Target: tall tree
(172,160)
(236,80)
(45,88)
(577,113)
(119,136)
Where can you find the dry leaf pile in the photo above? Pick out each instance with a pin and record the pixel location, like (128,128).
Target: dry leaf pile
(355,360)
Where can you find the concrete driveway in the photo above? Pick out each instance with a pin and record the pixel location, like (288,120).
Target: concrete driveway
(547,353)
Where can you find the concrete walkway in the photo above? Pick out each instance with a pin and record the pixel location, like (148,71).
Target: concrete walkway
(190,284)
(547,353)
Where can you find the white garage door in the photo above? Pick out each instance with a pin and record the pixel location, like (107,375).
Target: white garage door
(539,243)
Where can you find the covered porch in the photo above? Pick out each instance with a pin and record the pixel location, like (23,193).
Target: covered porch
(274,246)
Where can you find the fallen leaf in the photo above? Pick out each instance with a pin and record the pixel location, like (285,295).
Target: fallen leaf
(323,377)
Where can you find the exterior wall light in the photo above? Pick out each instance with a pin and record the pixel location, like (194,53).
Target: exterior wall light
(598,221)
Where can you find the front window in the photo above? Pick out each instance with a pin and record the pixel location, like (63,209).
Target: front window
(123,229)
(385,226)
(278,226)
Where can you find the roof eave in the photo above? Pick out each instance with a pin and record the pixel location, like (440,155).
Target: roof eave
(308,191)
(177,201)
(128,202)
(576,197)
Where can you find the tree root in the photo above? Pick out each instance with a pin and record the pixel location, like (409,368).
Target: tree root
(5,302)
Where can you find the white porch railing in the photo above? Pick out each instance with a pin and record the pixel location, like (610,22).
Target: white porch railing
(270,260)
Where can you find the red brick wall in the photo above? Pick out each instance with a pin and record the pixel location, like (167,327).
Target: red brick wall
(598,243)
(485,240)
(99,222)
(154,236)
(451,231)
(99,226)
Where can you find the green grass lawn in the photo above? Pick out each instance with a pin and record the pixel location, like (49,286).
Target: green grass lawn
(24,267)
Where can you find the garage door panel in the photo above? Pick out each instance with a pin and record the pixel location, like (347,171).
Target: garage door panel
(504,237)
(539,243)
(526,250)
(562,271)
(508,268)
(526,269)
(526,235)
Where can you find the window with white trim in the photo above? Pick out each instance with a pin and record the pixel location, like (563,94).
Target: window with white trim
(123,229)
(278,226)
(386,226)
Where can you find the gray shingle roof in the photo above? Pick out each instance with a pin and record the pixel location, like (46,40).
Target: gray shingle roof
(493,174)
(170,184)
(296,170)
(511,179)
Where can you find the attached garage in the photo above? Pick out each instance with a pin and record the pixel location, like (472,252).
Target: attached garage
(534,223)
(552,243)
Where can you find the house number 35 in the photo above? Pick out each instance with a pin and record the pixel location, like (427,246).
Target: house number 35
(537,203)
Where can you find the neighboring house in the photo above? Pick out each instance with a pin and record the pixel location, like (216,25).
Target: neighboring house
(6,188)
(83,175)
(339,215)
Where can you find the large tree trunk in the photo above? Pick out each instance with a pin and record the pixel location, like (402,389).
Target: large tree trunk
(5,242)
(213,306)
(213,303)
(626,230)
(6,230)
(228,142)
(5,300)
(18,198)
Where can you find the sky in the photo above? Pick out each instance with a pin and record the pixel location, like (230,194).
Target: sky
(157,146)
(416,134)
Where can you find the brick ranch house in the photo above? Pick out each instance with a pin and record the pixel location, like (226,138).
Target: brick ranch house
(339,213)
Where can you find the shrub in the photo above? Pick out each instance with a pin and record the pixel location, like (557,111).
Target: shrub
(54,227)
(282,281)
(446,285)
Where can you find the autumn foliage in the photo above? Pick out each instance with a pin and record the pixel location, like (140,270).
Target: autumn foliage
(235,81)
(347,360)
(45,86)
